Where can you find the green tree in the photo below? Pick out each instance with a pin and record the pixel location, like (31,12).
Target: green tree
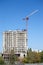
(35,57)
(32,56)
(1,60)
(41,55)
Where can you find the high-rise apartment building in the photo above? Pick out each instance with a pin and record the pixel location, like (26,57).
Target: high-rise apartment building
(16,40)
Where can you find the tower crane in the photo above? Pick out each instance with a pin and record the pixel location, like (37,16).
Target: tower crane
(26,19)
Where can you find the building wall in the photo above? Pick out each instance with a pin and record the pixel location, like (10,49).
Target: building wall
(16,40)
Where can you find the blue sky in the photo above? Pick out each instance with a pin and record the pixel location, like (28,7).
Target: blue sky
(11,14)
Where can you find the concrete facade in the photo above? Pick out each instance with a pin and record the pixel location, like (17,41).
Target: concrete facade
(16,40)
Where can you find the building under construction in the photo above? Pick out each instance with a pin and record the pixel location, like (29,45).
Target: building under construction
(16,40)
